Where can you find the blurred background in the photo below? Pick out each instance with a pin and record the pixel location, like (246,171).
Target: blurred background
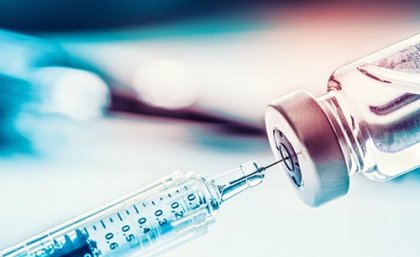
(99,97)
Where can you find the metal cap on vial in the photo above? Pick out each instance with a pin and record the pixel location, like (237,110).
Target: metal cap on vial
(299,131)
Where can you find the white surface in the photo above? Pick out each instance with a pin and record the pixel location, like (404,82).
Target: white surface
(103,160)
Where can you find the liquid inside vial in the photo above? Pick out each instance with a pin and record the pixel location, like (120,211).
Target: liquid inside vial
(382,109)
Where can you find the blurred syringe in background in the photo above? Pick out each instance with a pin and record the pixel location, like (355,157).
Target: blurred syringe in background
(39,81)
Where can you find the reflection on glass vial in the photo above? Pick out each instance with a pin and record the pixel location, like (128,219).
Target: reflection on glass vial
(379,116)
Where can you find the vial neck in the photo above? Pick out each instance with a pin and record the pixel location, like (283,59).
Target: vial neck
(347,130)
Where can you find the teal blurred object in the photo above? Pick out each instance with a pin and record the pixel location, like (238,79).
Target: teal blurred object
(20,56)
(37,85)
(12,99)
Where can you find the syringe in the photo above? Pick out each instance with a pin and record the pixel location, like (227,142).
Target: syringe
(156,217)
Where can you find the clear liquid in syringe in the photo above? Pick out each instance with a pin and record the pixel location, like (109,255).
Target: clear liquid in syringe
(140,224)
(142,220)
(154,218)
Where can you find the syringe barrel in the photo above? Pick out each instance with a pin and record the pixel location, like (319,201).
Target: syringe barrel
(155,217)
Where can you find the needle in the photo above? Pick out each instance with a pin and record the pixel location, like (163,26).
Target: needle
(274,163)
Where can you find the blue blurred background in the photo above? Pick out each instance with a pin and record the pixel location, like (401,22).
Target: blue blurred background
(100,97)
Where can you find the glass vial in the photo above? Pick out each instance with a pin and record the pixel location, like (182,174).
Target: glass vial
(368,122)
